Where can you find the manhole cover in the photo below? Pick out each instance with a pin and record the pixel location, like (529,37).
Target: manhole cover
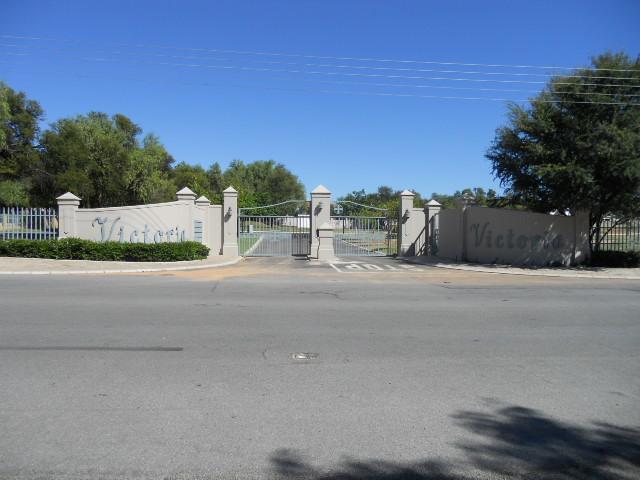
(303,356)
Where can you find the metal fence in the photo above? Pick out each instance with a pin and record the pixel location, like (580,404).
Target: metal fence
(274,235)
(619,235)
(364,236)
(18,223)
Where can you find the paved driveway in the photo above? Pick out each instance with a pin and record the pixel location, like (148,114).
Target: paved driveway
(419,374)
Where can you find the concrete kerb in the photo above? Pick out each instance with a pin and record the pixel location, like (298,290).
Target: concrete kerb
(150,269)
(627,274)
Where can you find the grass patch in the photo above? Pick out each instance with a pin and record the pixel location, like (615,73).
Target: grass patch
(245,243)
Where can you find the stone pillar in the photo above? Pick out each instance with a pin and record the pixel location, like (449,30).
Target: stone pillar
(67,207)
(432,221)
(186,194)
(320,214)
(230,222)
(461,251)
(406,239)
(325,250)
(202,205)
(203,201)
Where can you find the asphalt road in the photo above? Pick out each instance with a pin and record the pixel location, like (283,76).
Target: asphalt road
(415,373)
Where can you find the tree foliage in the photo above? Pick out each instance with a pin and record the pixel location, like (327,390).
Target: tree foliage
(19,117)
(101,159)
(384,197)
(107,161)
(477,195)
(389,199)
(577,145)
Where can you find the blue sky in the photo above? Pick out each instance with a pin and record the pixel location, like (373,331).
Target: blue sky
(173,67)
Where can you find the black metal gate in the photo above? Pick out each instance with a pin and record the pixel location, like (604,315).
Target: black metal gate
(301,244)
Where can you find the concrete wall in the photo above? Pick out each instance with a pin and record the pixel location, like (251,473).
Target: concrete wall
(182,220)
(153,223)
(449,234)
(215,229)
(521,238)
(491,235)
(413,234)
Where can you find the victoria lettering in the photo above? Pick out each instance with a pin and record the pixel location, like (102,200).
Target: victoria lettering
(483,235)
(146,235)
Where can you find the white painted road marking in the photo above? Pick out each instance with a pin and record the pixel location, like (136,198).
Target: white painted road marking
(374,268)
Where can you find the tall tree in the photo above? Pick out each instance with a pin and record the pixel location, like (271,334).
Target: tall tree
(101,159)
(577,146)
(19,117)
(263,182)
(191,176)
(147,177)
(384,197)
(216,182)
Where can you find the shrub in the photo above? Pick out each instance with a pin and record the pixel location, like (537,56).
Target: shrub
(77,249)
(628,259)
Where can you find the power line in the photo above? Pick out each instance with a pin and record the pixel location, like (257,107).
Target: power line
(347,74)
(329,65)
(399,95)
(325,57)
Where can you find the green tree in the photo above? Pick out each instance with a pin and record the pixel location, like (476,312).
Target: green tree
(263,182)
(101,159)
(191,176)
(88,155)
(577,146)
(19,117)
(14,193)
(216,182)
(384,197)
(147,177)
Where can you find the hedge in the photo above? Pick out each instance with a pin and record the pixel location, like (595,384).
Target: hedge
(76,249)
(628,259)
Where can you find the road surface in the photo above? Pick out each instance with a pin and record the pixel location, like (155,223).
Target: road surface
(280,368)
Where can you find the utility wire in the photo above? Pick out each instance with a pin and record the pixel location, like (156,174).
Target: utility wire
(347,74)
(441,87)
(401,95)
(325,65)
(322,57)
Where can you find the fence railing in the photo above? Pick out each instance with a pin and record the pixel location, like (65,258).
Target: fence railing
(616,235)
(364,236)
(17,223)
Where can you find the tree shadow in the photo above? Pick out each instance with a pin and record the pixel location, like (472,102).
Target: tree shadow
(519,440)
(511,442)
(288,464)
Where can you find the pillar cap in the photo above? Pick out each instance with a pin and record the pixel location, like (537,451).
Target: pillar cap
(203,199)
(433,203)
(320,189)
(407,193)
(229,189)
(186,191)
(68,197)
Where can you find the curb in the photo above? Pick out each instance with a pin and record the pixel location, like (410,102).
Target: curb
(130,270)
(480,269)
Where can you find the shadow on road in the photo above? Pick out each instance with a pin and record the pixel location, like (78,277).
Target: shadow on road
(511,442)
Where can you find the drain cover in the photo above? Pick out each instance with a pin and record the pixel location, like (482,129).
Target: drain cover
(303,356)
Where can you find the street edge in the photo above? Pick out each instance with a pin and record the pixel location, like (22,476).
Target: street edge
(130,270)
(481,269)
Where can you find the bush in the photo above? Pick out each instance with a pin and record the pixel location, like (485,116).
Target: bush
(629,259)
(76,249)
